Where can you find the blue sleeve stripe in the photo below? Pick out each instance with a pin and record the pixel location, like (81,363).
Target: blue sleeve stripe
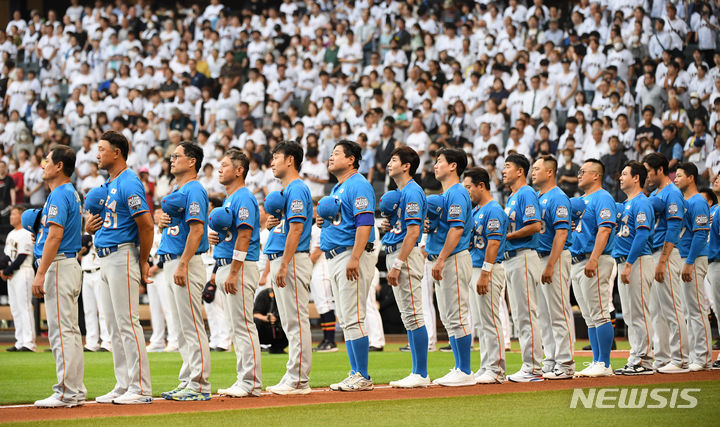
(674,217)
(609,224)
(494,234)
(701,229)
(456,220)
(297,216)
(642,226)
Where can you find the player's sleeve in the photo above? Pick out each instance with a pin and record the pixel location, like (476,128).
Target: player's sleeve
(560,214)
(644,216)
(700,215)
(58,208)
(675,206)
(456,207)
(246,213)
(197,205)
(25,245)
(494,225)
(134,194)
(297,201)
(528,208)
(605,212)
(363,205)
(415,206)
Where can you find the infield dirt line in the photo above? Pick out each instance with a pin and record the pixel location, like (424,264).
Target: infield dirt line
(320,396)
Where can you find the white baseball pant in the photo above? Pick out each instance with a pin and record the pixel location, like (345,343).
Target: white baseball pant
(713,275)
(428,305)
(20,299)
(320,288)
(487,312)
(699,333)
(635,300)
(667,310)
(373,320)
(96,330)
(555,315)
(408,291)
(219,331)
(351,296)
(453,296)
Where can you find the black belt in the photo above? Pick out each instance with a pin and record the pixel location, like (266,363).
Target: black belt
(713,260)
(103,252)
(220,262)
(168,257)
(92,270)
(279,254)
(509,254)
(434,257)
(392,248)
(332,253)
(621,259)
(580,258)
(543,254)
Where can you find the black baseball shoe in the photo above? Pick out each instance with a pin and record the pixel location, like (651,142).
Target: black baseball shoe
(372,348)
(635,370)
(405,349)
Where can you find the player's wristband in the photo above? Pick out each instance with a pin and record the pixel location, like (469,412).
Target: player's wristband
(239,255)
(487,267)
(398,264)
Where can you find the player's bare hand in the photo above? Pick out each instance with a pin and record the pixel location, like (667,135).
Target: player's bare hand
(38,286)
(181,274)
(547,274)
(591,268)
(280,276)
(426,225)
(92,223)
(660,271)
(352,270)
(393,276)
(213,237)
(625,274)
(483,283)
(437,269)
(165,220)
(385,224)
(687,273)
(231,283)
(271,222)
(319,221)
(145,272)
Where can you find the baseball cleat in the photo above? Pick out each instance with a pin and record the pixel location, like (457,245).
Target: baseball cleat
(373,348)
(326,347)
(635,370)
(233,391)
(446,349)
(54,402)
(456,378)
(284,389)
(411,381)
(584,372)
(620,371)
(600,370)
(190,395)
(558,374)
(405,349)
(168,394)
(108,397)
(336,386)
(524,377)
(488,377)
(696,367)
(91,349)
(357,383)
(716,365)
(171,349)
(155,348)
(672,368)
(132,399)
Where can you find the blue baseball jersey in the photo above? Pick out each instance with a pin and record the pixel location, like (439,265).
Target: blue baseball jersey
(63,208)
(672,201)
(489,223)
(298,208)
(555,215)
(125,200)
(411,210)
(599,212)
(275,243)
(637,213)
(174,239)
(696,218)
(714,237)
(457,212)
(522,208)
(243,207)
(356,197)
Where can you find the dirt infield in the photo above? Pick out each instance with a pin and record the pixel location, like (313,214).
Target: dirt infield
(160,406)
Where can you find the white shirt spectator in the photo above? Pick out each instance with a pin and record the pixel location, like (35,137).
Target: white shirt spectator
(316,170)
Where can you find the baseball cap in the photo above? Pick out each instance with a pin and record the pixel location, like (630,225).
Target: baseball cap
(95,200)
(328,208)
(220,220)
(274,204)
(30,220)
(577,207)
(174,204)
(389,203)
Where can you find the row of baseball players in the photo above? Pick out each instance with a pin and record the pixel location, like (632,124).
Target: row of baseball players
(462,242)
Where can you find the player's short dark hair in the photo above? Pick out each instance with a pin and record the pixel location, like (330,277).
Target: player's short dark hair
(599,163)
(20,208)
(552,161)
(351,148)
(520,161)
(657,161)
(407,155)
(193,151)
(637,169)
(215,201)
(707,192)
(690,170)
(117,140)
(238,159)
(478,176)
(455,155)
(66,155)
(290,148)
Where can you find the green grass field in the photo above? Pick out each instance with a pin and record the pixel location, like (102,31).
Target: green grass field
(26,377)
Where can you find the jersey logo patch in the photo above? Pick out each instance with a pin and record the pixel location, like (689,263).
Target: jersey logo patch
(134,202)
(412,208)
(243,214)
(297,206)
(361,203)
(493,224)
(641,218)
(194,208)
(561,212)
(605,214)
(699,220)
(454,211)
(672,208)
(52,211)
(529,210)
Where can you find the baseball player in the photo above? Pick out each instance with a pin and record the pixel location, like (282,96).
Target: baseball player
(184,239)
(694,252)
(592,265)
(290,270)
(713,273)
(522,265)
(159,297)
(490,224)
(97,336)
(448,247)
(19,277)
(237,275)
(554,311)
(373,320)
(348,243)
(59,277)
(321,292)
(670,338)
(123,238)
(636,268)
(405,261)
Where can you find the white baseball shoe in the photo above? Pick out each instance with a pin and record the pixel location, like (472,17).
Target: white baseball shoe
(411,381)
(132,399)
(233,391)
(600,370)
(284,389)
(336,386)
(357,383)
(54,402)
(109,397)
(155,348)
(584,373)
(456,378)
(525,377)
(171,349)
(672,368)
(488,377)
(557,374)
(696,367)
